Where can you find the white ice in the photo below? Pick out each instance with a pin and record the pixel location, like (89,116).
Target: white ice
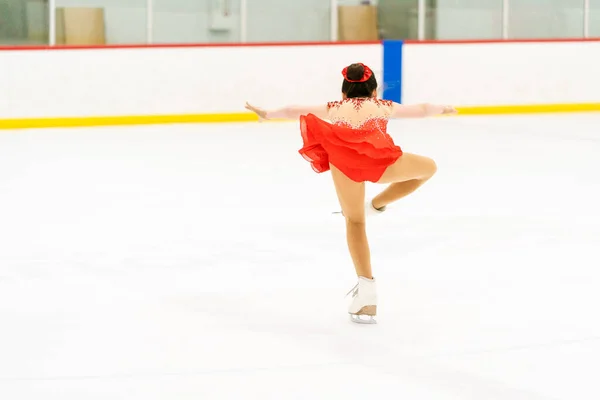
(203,262)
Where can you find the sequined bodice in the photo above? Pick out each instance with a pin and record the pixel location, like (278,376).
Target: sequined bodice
(361,113)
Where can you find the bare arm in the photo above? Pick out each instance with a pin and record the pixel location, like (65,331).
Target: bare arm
(420,110)
(291,112)
(294,112)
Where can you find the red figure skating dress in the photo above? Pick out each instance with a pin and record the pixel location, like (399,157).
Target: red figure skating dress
(356,141)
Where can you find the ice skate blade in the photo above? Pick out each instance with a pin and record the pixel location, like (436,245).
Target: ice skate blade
(363,319)
(370,212)
(365,315)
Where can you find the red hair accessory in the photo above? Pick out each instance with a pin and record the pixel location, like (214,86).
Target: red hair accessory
(367,74)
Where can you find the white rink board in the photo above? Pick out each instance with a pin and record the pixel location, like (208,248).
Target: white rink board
(493,74)
(205,80)
(150,81)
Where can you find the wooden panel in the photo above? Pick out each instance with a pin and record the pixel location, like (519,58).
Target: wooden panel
(80,26)
(357,23)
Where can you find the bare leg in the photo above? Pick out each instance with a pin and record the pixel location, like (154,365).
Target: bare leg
(396,191)
(364,295)
(407,174)
(351,196)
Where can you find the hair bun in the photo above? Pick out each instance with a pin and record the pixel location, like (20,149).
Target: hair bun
(355,72)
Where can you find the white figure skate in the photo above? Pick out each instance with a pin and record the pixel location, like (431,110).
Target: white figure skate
(363,307)
(370,211)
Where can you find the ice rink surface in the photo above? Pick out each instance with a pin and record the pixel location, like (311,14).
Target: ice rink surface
(203,262)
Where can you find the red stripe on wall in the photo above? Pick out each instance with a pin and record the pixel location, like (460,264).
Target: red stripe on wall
(281,44)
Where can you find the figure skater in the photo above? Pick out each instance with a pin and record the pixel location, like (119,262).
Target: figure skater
(356,148)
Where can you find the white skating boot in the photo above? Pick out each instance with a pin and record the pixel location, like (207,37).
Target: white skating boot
(363,307)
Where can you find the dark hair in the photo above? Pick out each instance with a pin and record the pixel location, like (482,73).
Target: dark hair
(358,89)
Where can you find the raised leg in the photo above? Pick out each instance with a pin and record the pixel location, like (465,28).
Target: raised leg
(405,176)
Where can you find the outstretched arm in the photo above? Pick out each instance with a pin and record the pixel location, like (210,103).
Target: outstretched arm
(291,112)
(420,110)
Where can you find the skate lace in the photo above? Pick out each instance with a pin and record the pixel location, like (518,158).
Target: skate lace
(354,291)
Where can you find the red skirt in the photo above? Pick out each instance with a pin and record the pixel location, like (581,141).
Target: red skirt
(361,154)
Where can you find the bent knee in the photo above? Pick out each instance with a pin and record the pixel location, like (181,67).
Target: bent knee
(429,168)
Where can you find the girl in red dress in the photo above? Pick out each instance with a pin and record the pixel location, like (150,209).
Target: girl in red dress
(356,148)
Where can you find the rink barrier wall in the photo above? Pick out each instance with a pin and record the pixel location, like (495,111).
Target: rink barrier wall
(129,85)
(499,77)
(117,85)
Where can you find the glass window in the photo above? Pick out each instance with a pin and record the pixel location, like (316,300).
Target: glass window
(24,23)
(97,22)
(545,19)
(398,19)
(594,18)
(289,21)
(196,21)
(465,19)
